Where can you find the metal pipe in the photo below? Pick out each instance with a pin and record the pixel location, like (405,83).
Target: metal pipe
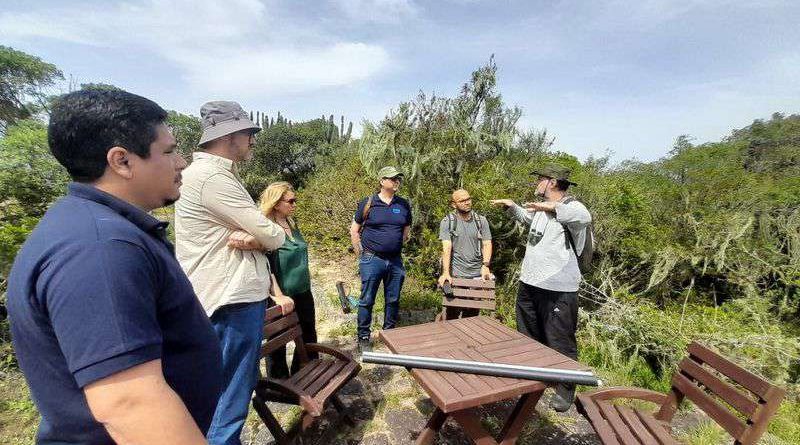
(550,375)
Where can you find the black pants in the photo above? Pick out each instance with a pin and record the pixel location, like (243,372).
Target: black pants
(304,307)
(454,312)
(551,318)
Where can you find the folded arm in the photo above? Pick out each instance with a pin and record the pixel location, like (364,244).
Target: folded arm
(230,202)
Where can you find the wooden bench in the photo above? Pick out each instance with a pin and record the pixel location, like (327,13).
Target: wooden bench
(469,293)
(743,408)
(311,387)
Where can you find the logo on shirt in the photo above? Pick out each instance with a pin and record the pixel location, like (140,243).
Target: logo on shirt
(396,211)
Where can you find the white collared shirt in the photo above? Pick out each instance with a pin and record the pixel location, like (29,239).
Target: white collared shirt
(214,204)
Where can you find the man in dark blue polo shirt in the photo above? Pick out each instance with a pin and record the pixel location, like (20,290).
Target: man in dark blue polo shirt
(106,327)
(380,227)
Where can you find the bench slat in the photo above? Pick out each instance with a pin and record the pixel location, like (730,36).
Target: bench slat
(609,411)
(325,378)
(731,370)
(636,425)
(600,424)
(274,327)
(475,304)
(470,282)
(724,390)
(722,416)
(656,428)
(281,340)
(473,293)
(312,376)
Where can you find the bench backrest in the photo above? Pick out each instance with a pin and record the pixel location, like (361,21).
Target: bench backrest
(470,293)
(280,330)
(739,401)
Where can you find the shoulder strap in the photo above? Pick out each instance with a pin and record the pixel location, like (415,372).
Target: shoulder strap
(451,224)
(477,216)
(365,212)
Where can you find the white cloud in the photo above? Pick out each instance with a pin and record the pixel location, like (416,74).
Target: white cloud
(237,47)
(377,11)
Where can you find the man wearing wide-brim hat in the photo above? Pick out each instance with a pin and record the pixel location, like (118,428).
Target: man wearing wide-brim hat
(232,284)
(381,225)
(547,299)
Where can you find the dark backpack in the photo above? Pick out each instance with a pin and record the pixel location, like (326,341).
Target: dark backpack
(589,244)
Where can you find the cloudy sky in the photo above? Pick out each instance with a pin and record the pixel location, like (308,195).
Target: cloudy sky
(624,77)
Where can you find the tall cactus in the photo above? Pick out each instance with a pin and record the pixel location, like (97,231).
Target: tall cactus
(346,137)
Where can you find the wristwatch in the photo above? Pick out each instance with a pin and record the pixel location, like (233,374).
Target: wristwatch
(486,263)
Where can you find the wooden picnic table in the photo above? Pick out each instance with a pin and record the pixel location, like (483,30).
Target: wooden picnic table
(457,395)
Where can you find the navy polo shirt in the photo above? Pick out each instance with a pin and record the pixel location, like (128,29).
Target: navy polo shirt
(95,290)
(383,230)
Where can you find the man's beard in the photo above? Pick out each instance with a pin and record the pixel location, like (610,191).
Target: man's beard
(464,212)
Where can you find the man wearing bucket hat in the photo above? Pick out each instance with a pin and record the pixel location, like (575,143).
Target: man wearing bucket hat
(547,300)
(231,284)
(380,226)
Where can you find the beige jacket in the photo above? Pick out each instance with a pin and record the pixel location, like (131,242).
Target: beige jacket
(213,204)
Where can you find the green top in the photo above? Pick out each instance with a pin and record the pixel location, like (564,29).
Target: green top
(290,264)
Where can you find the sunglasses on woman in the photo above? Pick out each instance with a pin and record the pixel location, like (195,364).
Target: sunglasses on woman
(292,201)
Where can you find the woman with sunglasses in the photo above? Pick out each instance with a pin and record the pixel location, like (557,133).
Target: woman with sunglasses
(290,274)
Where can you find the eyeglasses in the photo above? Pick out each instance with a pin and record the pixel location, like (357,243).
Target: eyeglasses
(395,179)
(464,200)
(292,201)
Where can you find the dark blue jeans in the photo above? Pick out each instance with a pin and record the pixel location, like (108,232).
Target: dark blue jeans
(239,328)
(374,270)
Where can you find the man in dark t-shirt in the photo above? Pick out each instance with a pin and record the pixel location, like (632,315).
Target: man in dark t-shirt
(106,327)
(381,225)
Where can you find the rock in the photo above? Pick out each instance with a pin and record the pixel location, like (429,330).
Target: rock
(404,424)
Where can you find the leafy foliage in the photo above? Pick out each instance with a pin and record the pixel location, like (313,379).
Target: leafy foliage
(288,152)
(22,80)
(187,130)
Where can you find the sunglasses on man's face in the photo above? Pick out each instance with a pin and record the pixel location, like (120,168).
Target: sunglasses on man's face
(292,201)
(395,179)
(460,201)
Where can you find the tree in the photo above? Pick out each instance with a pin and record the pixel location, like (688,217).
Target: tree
(29,174)
(436,140)
(187,130)
(30,179)
(289,152)
(99,86)
(23,79)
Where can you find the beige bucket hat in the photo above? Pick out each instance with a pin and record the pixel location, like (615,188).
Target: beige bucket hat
(221,118)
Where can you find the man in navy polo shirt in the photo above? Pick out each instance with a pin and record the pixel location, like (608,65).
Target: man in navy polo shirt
(107,329)
(380,226)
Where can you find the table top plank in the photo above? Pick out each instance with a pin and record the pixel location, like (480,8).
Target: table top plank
(479,339)
(473,336)
(479,382)
(502,334)
(488,336)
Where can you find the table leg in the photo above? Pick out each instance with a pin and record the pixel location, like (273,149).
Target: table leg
(516,420)
(432,428)
(471,422)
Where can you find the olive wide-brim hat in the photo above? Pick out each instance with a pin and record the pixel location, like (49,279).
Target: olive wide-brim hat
(221,118)
(554,171)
